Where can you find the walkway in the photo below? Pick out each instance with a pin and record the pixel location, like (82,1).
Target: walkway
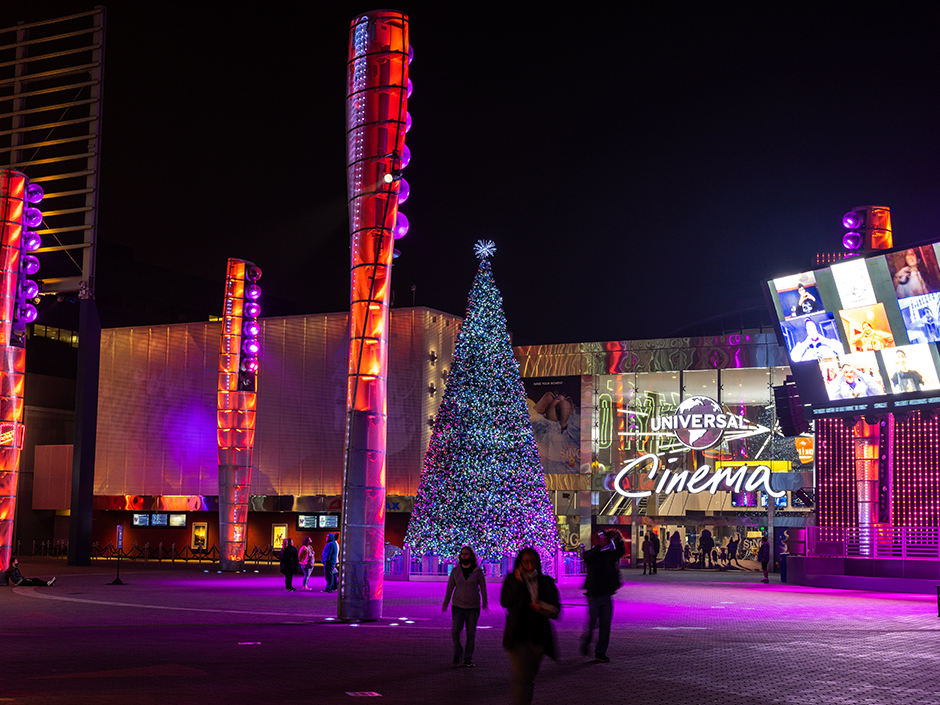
(176,634)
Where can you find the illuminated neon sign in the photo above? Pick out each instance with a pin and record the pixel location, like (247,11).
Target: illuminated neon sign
(701,479)
(700,423)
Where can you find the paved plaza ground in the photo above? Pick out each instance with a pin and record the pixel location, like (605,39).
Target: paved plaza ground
(176,634)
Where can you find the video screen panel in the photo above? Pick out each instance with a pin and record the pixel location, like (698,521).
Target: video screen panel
(912,368)
(867,328)
(306,522)
(744,499)
(329,521)
(812,337)
(779,502)
(799,295)
(159,520)
(178,520)
(141,520)
(920,314)
(852,376)
(867,340)
(854,284)
(914,271)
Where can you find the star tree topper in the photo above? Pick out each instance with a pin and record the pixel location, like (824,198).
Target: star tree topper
(484,249)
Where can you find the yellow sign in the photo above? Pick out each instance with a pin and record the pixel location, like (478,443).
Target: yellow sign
(774,465)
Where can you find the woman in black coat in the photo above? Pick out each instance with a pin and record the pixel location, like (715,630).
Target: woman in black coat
(531,600)
(290,563)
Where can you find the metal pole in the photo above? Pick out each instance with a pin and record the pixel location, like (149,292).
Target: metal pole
(86,427)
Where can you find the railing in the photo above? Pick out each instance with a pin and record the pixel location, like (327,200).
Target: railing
(53,549)
(402,565)
(883,542)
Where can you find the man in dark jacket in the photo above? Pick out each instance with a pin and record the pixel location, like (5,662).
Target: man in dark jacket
(654,539)
(603,580)
(330,556)
(13,576)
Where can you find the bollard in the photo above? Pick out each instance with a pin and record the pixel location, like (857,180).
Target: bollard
(172,553)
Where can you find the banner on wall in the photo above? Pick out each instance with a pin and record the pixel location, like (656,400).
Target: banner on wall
(555,412)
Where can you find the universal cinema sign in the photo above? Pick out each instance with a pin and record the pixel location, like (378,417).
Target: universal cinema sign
(699,423)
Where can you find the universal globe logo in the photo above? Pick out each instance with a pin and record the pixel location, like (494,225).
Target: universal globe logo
(699,423)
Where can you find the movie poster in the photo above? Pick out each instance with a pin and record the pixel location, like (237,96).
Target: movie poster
(555,413)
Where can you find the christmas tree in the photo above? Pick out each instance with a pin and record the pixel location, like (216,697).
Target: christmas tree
(482,484)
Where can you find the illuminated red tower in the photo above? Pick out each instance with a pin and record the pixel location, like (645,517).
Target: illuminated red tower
(16,215)
(376,122)
(238,366)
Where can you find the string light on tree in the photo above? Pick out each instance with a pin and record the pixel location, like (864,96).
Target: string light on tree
(482,484)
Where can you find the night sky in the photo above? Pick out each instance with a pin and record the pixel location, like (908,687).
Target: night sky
(642,167)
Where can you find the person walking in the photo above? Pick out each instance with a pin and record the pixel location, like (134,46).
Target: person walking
(289,563)
(603,580)
(647,548)
(330,556)
(531,600)
(467,586)
(763,555)
(654,539)
(308,559)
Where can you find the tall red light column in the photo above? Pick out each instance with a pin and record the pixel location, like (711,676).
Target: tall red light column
(237,404)
(376,122)
(16,215)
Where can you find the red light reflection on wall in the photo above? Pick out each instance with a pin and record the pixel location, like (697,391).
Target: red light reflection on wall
(376,105)
(13,188)
(237,404)
(916,477)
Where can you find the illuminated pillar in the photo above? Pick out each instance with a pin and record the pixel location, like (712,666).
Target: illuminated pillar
(376,117)
(16,214)
(238,366)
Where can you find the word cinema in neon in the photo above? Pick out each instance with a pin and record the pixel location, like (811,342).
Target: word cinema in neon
(699,480)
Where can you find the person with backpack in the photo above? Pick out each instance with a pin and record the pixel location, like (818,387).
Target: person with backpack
(330,557)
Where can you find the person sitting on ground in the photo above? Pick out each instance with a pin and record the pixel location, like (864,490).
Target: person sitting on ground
(14,577)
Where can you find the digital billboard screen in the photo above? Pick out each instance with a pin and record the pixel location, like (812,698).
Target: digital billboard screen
(862,334)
